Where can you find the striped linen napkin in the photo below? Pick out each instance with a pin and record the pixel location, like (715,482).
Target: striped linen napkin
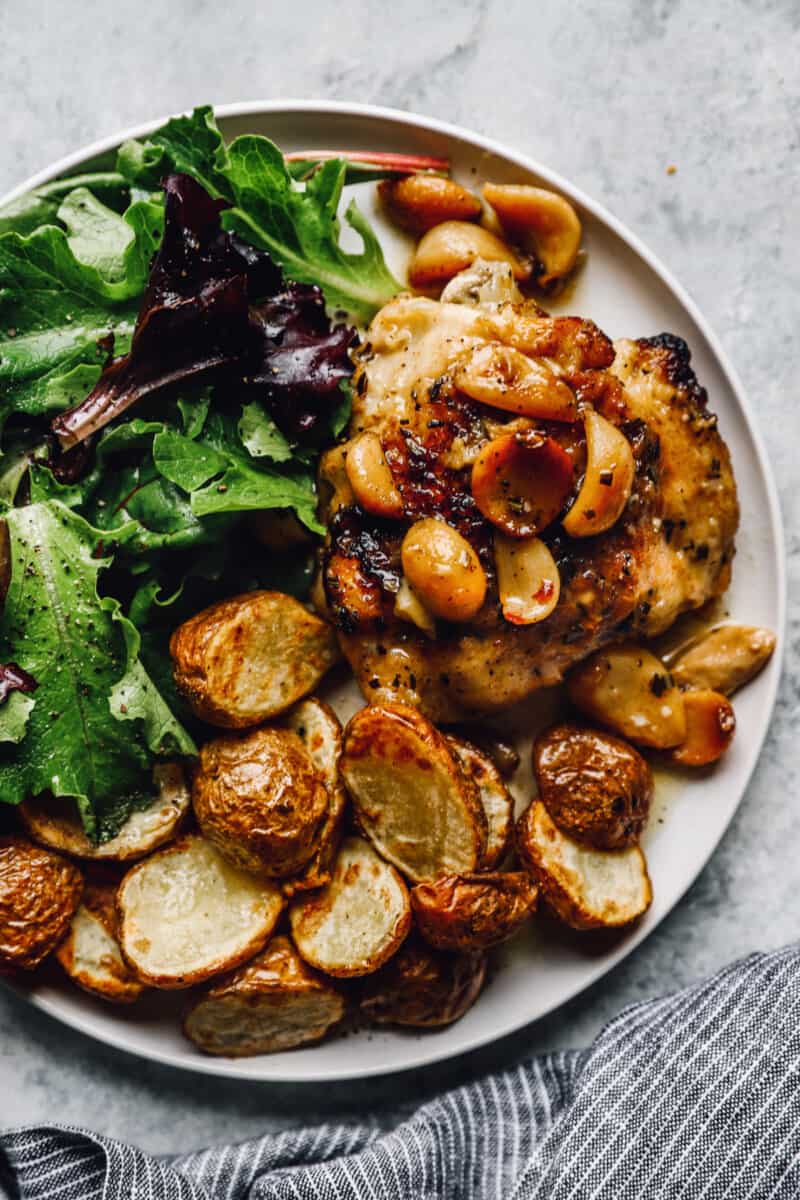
(696,1095)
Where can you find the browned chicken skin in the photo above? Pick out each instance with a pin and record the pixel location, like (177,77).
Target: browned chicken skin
(670,551)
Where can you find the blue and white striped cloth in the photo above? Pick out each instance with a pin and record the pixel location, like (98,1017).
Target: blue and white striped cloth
(694,1096)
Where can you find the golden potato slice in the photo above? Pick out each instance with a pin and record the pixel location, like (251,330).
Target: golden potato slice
(630,690)
(39,894)
(246,659)
(724,659)
(320,731)
(410,795)
(186,914)
(274,1002)
(423,987)
(596,787)
(495,798)
(55,821)
(473,912)
(357,922)
(258,798)
(90,952)
(586,888)
(710,726)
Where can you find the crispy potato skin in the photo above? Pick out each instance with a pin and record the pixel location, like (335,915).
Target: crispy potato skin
(410,795)
(257,797)
(251,657)
(320,731)
(423,987)
(275,1002)
(113,980)
(39,895)
(496,800)
(596,787)
(473,912)
(534,830)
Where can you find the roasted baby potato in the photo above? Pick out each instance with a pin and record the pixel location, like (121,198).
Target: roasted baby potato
(710,726)
(596,788)
(258,798)
(55,821)
(724,659)
(631,691)
(39,895)
(423,987)
(320,731)
(358,921)
(246,659)
(274,1002)
(585,888)
(418,202)
(495,798)
(90,952)
(186,913)
(473,912)
(410,796)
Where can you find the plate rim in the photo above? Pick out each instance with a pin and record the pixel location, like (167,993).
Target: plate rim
(231,1068)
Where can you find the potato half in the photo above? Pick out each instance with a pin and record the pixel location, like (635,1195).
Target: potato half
(496,800)
(358,921)
(55,821)
(274,1002)
(587,889)
(410,795)
(423,987)
(258,798)
(473,912)
(186,914)
(596,787)
(39,894)
(246,659)
(90,952)
(320,731)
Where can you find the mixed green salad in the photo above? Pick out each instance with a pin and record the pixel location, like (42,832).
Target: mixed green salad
(175,335)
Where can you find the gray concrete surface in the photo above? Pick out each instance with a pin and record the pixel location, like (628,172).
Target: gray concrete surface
(609,92)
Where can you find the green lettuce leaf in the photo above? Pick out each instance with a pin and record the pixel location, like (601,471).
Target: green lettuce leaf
(56,307)
(83,654)
(297,224)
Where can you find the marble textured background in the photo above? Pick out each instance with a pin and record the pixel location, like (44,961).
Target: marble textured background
(609,92)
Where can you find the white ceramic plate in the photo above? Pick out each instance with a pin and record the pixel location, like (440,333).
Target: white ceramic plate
(629,293)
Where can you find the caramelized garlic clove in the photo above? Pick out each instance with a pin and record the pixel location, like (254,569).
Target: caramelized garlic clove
(710,726)
(631,691)
(528,213)
(418,202)
(443,570)
(453,246)
(520,482)
(607,483)
(483,283)
(505,378)
(370,476)
(409,607)
(725,658)
(527,579)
